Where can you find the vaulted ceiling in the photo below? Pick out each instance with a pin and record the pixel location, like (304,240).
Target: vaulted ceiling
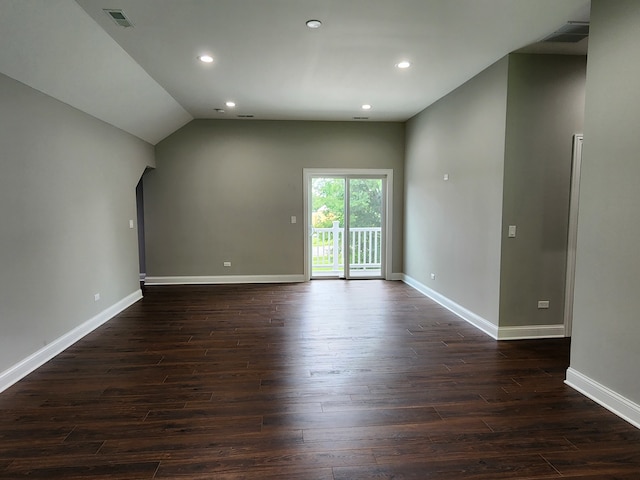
(147,79)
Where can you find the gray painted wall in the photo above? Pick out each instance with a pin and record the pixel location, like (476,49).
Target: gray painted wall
(67,193)
(504,138)
(545,108)
(453,227)
(226,190)
(606,328)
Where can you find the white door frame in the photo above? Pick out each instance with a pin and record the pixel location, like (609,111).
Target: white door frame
(308,173)
(572,240)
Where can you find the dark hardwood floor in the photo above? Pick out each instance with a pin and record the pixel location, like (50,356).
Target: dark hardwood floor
(328,380)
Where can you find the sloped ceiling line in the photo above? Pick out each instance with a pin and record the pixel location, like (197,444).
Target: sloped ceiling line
(146,79)
(56,48)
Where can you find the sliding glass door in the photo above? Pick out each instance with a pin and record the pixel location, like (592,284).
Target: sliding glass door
(346,234)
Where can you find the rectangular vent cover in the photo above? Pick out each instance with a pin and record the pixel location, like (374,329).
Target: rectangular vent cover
(119,17)
(572,32)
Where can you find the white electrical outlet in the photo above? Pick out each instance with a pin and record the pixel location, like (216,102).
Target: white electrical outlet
(96,297)
(227,264)
(543,303)
(433,276)
(130,223)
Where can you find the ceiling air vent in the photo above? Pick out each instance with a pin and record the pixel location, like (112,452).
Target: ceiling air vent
(571,32)
(119,17)
(361,118)
(245,116)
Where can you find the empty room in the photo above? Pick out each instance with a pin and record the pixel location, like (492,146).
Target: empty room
(319,240)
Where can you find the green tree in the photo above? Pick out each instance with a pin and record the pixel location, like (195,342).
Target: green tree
(365,202)
(328,201)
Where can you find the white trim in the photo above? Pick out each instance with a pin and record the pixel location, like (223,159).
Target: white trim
(397,276)
(222,279)
(307,173)
(612,401)
(531,331)
(572,236)
(388,224)
(23,368)
(476,320)
(498,333)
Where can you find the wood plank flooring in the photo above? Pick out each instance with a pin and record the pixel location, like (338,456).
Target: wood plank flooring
(327,380)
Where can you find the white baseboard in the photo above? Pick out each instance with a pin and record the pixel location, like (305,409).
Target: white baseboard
(494,331)
(23,368)
(222,279)
(476,320)
(612,401)
(530,332)
(231,279)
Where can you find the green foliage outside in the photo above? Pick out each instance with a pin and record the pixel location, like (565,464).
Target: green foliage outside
(365,202)
(328,206)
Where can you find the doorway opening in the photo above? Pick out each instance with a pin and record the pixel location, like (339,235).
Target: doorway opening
(347,222)
(142,263)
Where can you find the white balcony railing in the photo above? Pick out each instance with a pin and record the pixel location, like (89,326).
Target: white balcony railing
(365,248)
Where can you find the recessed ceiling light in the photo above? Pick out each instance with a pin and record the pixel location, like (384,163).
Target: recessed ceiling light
(205,58)
(366,106)
(314,24)
(230,104)
(403,64)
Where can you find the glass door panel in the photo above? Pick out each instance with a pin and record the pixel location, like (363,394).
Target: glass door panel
(327,222)
(365,227)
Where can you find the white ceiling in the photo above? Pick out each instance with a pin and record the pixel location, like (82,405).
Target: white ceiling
(147,80)
(55,47)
